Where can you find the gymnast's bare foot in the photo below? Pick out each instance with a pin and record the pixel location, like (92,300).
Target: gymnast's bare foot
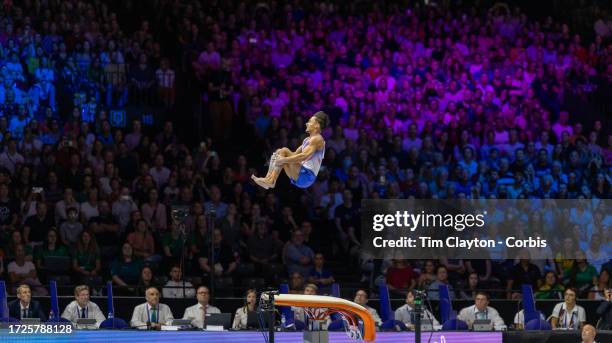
(261,182)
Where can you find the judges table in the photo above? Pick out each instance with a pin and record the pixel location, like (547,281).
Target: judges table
(122,336)
(127,336)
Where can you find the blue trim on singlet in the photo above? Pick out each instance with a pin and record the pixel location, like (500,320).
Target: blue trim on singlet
(305,179)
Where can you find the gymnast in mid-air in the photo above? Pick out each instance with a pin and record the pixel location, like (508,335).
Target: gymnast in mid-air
(302,165)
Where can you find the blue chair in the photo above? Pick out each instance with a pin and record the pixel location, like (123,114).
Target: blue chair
(283,288)
(446,305)
(336,325)
(393,325)
(4,311)
(538,325)
(54,317)
(335,290)
(114,323)
(299,325)
(454,325)
(528,299)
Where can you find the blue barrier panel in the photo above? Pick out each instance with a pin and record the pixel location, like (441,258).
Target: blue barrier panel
(4,312)
(335,289)
(386,312)
(445,304)
(54,315)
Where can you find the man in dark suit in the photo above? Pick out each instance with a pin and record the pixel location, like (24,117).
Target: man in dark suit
(24,306)
(605,310)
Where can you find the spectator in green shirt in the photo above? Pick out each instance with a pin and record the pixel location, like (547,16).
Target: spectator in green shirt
(86,259)
(125,270)
(551,289)
(582,275)
(51,247)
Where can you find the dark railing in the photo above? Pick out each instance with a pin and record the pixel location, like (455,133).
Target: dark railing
(227,288)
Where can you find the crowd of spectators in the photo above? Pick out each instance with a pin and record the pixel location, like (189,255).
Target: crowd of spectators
(425,101)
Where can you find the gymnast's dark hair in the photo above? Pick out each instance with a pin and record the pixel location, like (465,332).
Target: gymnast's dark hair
(322,119)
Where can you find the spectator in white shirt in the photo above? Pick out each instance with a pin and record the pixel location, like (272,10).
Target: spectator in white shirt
(62,206)
(562,126)
(208,57)
(411,140)
(21,271)
(159,172)
(176,287)
(198,312)
(10,158)
(276,103)
(89,208)
(81,307)
(154,212)
(165,83)
(122,208)
(132,139)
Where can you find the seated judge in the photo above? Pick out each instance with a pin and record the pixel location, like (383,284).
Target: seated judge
(198,312)
(480,310)
(242,313)
(405,313)
(361,298)
(81,307)
(24,306)
(568,314)
(151,315)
